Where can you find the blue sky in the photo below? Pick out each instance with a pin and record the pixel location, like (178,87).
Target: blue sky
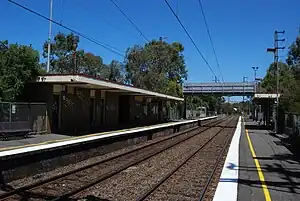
(241,30)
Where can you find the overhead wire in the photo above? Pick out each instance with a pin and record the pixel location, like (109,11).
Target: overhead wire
(187,33)
(4,45)
(87,9)
(99,43)
(128,19)
(210,39)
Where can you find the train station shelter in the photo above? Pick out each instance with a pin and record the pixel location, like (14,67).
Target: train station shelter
(81,104)
(264,107)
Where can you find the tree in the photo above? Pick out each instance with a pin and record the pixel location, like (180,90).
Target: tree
(157,66)
(287,84)
(63,52)
(115,71)
(294,54)
(286,78)
(91,65)
(293,60)
(227,108)
(19,64)
(65,57)
(193,102)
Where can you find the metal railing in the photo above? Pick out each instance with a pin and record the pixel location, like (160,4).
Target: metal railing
(23,117)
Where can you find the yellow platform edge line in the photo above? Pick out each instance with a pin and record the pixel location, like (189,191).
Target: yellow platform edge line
(259,170)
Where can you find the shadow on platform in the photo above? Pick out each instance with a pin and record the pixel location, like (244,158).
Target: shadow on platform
(17,137)
(256,127)
(281,186)
(287,180)
(281,157)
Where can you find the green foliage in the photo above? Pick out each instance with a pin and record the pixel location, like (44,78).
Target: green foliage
(227,108)
(67,58)
(114,71)
(90,64)
(62,53)
(18,65)
(293,58)
(212,103)
(286,78)
(287,84)
(289,79)
(157,66)
(193,102)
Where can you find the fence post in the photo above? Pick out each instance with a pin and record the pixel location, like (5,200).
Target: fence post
(10,115)
(10,108)
(46,118)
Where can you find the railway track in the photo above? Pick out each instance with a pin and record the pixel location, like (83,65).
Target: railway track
(192,178)
(51,188)
(131,184)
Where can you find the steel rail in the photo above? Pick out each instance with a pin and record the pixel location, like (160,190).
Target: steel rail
(204,190)
(51,179)
(122,168)
(154,187)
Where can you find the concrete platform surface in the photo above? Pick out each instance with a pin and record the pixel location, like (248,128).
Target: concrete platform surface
(32,139)
(36,140)
(40,142)
(280,170)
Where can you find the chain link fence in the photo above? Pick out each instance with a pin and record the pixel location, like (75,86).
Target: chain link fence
(17,117)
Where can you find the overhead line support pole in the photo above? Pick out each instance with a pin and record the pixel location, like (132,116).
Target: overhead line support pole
(49,37)
(276,58)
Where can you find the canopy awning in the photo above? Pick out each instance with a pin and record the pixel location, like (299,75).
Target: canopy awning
(83,81)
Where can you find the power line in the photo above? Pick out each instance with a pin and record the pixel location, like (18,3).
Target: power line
(87,9)
(4,45)
(198,50)
(105,46)
(124,14)
(210,39)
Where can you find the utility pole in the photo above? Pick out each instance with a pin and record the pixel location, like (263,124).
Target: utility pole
(49,37)
(244,80)
(255,68)
(276,58)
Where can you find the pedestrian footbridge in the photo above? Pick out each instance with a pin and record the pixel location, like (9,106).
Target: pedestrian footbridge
(224,89)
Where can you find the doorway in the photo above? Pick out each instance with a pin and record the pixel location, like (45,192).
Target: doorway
(124,110)
(55,114)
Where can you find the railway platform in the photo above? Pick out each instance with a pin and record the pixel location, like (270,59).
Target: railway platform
(39,142)
(259,166)
(36,155)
